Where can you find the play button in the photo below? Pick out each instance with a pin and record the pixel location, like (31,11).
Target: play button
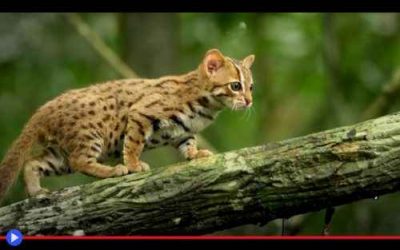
(14,237)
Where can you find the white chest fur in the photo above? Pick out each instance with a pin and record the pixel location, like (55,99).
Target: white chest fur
(173,130)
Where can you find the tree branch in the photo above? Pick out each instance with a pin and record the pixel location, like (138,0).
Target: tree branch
(100,46)
(250,185)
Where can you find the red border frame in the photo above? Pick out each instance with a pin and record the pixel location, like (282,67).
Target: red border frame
(339,237)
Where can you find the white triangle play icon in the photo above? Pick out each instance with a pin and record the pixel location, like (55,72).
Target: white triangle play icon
(14,237)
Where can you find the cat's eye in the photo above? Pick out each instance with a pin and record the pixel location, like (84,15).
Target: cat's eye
(236,86)
(251,87)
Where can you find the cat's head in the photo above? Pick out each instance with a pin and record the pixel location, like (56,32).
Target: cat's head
(229,80)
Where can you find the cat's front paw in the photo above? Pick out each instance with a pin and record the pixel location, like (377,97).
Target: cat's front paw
(141,167)
(120,170)
(145,167)
(41,191)
(203,153)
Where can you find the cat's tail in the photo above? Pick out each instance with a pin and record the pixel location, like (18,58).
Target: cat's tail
(15,158)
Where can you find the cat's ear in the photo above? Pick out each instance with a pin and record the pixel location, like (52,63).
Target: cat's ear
(213,61)
(248,61)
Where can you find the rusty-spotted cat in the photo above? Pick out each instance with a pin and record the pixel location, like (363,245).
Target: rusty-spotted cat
(81,128)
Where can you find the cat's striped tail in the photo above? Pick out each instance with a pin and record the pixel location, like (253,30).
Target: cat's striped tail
(15,158)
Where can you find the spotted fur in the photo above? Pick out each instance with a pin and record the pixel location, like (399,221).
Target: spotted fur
(80,129)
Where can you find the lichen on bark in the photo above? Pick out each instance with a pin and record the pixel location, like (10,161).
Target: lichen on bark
(249,185)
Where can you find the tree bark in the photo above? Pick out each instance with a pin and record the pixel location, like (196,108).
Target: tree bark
(250,185)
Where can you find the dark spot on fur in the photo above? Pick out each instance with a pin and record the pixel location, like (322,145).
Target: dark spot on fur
(106,118)
(46,172)
(171,109)
(89,137)
(95,149)
(204,115)
(190,105)
(203,101)
(179,122)
(52,151)
(151,104)
(185,141)
(71,135)
(154,141)
(95,134)
(156,124)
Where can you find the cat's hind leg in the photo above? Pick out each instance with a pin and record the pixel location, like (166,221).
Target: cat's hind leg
(86,161)
(49,163)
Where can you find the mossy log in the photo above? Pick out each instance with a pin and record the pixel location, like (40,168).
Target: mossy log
(247,186)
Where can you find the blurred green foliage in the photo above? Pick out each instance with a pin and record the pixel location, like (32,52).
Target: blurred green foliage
(312,72)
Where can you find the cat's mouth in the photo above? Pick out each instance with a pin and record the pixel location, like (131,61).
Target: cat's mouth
(236,104)
(240,106)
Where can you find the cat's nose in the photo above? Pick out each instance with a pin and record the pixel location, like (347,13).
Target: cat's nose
(248,102)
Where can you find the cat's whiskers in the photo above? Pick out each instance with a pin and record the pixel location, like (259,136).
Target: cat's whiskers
(251,111)
(247,114)
(234,107)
